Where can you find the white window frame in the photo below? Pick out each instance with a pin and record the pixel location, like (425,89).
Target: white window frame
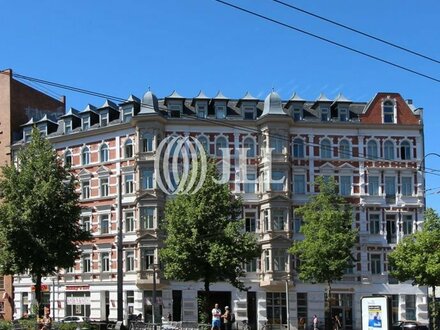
(129,183)
(298,148)
(130,224)
(104,153)
(388,109)
(105,262)
(128,148)
(326,148)
(129,261)
(372,149)
(344,185)
(389,152)
(407,188)
(104,187)
(104,219)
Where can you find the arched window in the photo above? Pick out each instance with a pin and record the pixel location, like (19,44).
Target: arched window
(249,144)
(326,149)
(372,149)
(85,156)
(344,149)
(128,149)
(68,158)
(388,150)
(147,142)
(220,144)
(298,148)
(388,112)
(104,153)
(405,150)
(204,142)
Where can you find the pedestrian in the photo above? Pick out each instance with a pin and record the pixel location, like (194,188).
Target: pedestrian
(216,314)
(227,319)
(315,322)
(46,322)
(336,323)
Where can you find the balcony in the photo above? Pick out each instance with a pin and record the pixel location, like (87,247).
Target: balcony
(145,156)
(145,278)
(273,279)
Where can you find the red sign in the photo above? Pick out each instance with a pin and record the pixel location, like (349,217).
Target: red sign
(44,288)
(77,287)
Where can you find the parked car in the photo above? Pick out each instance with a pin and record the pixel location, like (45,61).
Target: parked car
(74,319)
(410,325)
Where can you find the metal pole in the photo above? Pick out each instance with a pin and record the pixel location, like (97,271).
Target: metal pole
(287,304)
(120,251)
(154,295)
(53,298)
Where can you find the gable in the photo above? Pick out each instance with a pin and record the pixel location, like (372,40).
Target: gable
(404,114)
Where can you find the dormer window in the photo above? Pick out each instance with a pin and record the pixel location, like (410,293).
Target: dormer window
(297,114)
(388,112)
(343,114)
(104,119)
(42,128)
(249,112)
(201,111)
(86,123)
(220,112)
(324,114)
(175,110)
(27,134)
(127,114)
(68,126)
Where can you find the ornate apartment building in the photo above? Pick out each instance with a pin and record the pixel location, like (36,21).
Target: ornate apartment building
(372,149)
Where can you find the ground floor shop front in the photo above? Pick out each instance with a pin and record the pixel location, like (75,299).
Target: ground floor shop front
(276,305)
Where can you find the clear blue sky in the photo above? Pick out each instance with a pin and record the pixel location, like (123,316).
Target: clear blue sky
(123,47)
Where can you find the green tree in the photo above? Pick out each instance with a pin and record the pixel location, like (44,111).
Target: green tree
(39,213)
(326,251)
(417,258)
(204,235)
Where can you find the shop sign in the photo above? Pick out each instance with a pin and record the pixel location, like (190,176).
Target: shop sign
(77,287)
(44,288)
(78,300)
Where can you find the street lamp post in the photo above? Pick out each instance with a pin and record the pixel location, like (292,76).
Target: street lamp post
(120,251)
(287,302)
(153,305)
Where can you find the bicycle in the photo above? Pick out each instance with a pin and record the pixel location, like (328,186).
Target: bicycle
(245,325)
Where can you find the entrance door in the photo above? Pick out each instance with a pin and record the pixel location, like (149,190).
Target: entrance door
(345,317)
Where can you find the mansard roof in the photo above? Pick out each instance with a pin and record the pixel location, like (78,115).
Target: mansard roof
(71,113)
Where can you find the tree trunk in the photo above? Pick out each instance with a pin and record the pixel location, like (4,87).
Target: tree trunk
(38,294)
(206,285)
(434,310)
(329,304)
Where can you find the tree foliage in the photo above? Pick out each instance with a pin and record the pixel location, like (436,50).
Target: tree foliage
(39,229)
(326,250)
(417,256)
(204,236)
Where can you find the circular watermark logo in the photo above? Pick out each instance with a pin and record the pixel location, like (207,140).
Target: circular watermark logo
(180,165)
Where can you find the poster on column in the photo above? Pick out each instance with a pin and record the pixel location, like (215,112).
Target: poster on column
(375,313)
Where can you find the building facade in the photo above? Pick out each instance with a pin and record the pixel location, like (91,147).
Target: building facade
(18,104)
(372,149)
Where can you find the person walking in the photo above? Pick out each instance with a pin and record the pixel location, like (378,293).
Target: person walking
(336,323)
(216,314)
(227,319)
(315,322)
